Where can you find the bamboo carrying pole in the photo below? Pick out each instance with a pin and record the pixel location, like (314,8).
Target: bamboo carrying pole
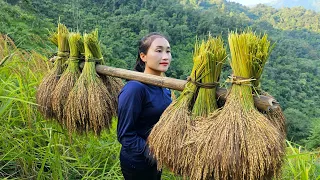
(263,103)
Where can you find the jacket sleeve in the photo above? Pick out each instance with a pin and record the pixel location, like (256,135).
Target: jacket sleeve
(130,102)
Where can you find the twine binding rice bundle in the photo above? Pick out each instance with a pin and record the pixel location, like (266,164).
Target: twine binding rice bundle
(238,142)
(49,82)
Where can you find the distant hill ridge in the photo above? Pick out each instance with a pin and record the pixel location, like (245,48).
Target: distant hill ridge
(308,4)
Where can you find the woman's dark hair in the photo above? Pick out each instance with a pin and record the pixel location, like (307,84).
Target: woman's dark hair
(143,47)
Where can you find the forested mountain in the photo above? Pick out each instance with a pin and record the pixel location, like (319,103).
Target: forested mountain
(308,4)
(26,28)
(291,75)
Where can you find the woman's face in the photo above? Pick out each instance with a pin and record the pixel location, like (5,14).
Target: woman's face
(158,57)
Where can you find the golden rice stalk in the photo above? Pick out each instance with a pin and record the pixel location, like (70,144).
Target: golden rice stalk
(89,105)
(238,142)
(6,46)
(167,137)
(49,82)
(260,49)
(214,57)
(68,78)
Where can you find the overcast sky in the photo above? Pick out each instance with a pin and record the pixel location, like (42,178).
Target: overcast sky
(251,2)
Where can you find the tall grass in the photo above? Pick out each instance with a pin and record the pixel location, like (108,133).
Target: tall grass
(301,164)
(34,148)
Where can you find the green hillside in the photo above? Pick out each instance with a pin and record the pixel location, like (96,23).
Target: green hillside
(26,28)
(291,75)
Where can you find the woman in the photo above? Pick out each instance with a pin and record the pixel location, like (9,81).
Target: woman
(140,107)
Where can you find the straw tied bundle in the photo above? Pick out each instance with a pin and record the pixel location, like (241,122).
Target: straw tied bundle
(90,106)
(168,136)
(49,82)
(238,142)
(80,101)
(68,78)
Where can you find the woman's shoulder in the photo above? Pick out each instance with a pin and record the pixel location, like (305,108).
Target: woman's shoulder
(134,86)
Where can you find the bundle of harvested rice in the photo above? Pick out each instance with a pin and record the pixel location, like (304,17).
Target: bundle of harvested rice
(260,56)
(89,105)
(214,56)
(49,82)
(167,136)
(68,78)
(239,142)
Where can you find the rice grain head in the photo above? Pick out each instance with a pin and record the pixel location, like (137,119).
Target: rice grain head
(76,108)
(237,143)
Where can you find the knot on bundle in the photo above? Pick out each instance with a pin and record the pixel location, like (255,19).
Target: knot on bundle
(75,59)
(96,60)
(203,85)
(63,54)
(238,80)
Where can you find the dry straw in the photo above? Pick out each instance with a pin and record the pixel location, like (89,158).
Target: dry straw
(168,139)
(69,77)
(238,142)
(49,82)
(89,105)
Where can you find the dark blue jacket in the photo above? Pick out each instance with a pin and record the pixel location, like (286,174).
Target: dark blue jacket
(139,108)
